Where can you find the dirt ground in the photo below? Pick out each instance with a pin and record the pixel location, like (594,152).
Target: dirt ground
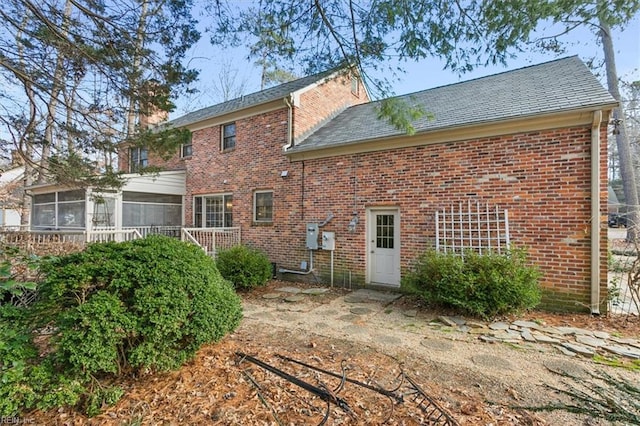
(471,382)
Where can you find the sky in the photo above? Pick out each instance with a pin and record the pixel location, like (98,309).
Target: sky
(422,75)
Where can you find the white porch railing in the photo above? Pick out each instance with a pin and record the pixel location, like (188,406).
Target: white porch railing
(60,242)
(212,239)
(101,236)
(170,231)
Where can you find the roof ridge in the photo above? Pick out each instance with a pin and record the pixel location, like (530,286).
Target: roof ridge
(566,58)
(251,99)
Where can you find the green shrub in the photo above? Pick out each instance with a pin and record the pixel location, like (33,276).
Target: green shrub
(17,279)
(484,285)
(115,308)
(244,266)
(26,380)
(145,304)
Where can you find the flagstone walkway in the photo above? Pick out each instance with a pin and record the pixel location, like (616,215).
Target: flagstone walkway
(373,316)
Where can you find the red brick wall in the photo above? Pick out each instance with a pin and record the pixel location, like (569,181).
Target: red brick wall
(542,178)
(254,164)
(324,101)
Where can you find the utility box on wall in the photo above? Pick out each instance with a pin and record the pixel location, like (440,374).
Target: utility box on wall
(312,236)
(328,241)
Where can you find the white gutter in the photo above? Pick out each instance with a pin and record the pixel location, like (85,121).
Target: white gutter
(595,212)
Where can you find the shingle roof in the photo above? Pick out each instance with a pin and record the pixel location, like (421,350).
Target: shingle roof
(560,85)
(246,101)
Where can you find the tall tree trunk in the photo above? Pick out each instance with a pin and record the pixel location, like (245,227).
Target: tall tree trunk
(26,203)
(56,87)
(25,143)
(134,82)
(627,172)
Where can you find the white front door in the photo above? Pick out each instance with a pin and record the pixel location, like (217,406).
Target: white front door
(383,246)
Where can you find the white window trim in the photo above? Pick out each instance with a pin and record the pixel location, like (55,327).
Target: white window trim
(222,137)
(203,211)
(255,210)
(355,85)
(138,166)
(182,150)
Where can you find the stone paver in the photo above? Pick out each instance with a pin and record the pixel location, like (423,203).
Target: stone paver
(447,321)
(375,296)
(271,296)
(526,335)
(315,291)
(499,326)
(491,361)
(579,349)
(565,368)
(437,344)
(623,350)
(354,299)
(590,341)
(526,324)
(293,290)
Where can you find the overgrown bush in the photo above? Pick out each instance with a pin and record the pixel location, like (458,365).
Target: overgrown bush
(484,285)
(244,266)
(113,309)
(18,273)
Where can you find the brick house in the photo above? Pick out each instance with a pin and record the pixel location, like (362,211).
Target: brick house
(310,159)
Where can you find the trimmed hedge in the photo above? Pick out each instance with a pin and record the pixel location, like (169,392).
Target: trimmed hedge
(244,266)
(484,285)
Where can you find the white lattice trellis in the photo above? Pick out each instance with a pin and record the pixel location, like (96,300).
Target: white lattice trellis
(478,227)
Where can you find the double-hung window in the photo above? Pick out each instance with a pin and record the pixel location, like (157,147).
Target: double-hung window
(355,85)
(263,206)
(138,159)
(186,150)
(228,136)
(213,211)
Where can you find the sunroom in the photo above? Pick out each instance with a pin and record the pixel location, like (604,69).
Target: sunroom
(146,204)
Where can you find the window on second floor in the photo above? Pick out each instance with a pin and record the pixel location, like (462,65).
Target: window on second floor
(355,85)
(186,149)
(263,206)
(228,136)
(138,159)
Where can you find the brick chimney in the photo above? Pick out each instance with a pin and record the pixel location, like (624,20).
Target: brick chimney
(150,114)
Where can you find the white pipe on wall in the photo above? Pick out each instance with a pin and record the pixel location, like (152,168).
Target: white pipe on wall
(595,212)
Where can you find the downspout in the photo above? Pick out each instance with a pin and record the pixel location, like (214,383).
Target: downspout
(595,212)
(288,102)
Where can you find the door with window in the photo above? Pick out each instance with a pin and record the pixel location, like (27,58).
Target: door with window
(383,244)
